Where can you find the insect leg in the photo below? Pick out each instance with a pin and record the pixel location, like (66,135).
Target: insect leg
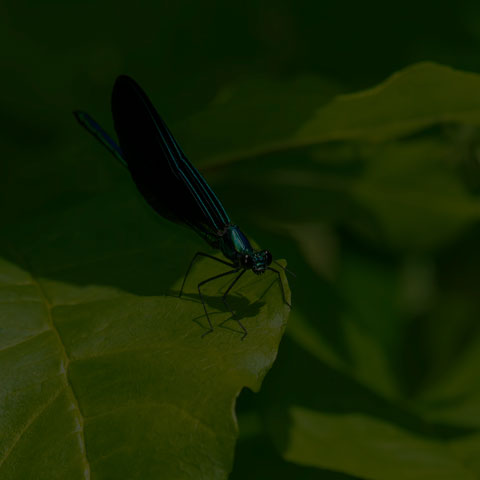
(284,268)
(201,254)
(201,295)
(281,284)
(224,298)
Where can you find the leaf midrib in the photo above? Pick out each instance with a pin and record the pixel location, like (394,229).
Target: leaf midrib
(68,385)
(43,298)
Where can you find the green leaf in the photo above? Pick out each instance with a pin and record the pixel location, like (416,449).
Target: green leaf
(454,398)
(416,194)
(253,116)
(468,450)
(406,195)
(104,371)
(416,97)
(369,448)
(242,123)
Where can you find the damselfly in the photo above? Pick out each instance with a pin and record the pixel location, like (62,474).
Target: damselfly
(174,188)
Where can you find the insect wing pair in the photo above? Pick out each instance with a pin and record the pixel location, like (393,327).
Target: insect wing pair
(173,187)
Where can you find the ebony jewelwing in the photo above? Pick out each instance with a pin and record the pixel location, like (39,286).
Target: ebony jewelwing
(173,187)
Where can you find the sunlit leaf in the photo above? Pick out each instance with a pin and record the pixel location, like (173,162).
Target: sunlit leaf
(104,371)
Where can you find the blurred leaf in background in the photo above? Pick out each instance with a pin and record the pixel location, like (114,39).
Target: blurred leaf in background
(344,138)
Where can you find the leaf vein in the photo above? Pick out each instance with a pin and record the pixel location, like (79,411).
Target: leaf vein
(27,426)
(146,405)
(68,385)
(25,340)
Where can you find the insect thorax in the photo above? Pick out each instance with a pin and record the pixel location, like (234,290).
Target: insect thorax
(234,244)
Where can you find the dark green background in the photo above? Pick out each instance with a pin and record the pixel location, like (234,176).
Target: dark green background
(60,56)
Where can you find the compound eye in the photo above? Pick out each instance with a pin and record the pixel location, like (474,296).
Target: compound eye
(268,257)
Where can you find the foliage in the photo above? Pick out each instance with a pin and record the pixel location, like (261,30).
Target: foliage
(361,172)
(377,378)
(106,365)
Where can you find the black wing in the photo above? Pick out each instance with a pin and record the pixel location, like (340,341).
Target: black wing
(168,181)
